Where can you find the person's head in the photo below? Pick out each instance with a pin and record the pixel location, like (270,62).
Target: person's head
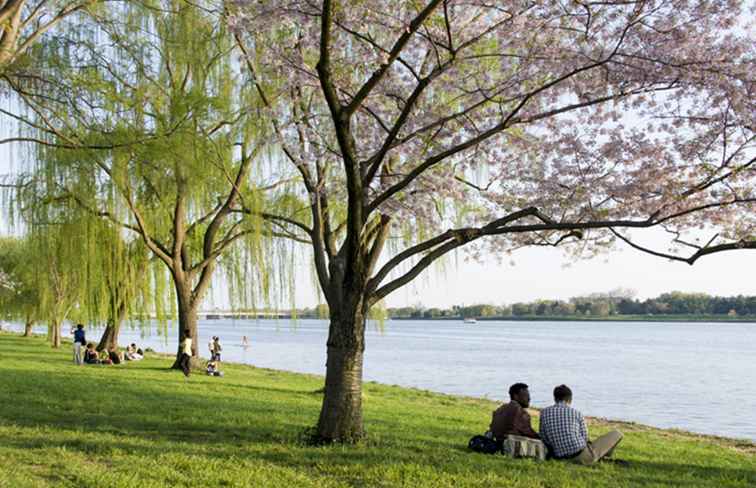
(562,393)
(80,326)
(519,393)
(187,333)
(133,345)
(90,345)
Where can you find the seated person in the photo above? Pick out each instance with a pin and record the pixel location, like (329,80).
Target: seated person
(563,430)
(115,356)
(90,355)
(132,354)
(212,369)
(105,358)
(512,418)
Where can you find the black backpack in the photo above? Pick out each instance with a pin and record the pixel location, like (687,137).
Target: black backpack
(481,443)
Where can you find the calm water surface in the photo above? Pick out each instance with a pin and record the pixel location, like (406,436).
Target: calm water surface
(692,376)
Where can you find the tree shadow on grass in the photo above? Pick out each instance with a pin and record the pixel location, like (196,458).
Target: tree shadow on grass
(157,415)
(167,408)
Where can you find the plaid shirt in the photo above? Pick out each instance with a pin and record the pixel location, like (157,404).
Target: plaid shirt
(563,429)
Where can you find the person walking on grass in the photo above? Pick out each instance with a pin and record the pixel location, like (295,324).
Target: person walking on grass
(186,353)
(80,341)
(563,430)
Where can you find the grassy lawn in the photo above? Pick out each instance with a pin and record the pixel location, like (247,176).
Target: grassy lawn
(142,425)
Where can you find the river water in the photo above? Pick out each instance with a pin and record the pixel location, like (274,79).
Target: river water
(693,376)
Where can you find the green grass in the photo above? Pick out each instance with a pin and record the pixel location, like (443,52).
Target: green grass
(142,425)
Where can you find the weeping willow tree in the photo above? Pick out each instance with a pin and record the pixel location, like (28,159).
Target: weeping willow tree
(156,117)
(19,294)
(24,22)
(58,266)
(127,287)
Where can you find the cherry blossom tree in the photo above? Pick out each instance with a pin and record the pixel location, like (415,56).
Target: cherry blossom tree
(419,127)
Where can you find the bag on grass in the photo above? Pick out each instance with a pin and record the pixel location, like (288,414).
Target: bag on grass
(483,444)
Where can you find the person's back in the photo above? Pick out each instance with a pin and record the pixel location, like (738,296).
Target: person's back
(79,335)
(114,356)
(564,431)
(186,353)
(512,418)
(78,342)
(90,355)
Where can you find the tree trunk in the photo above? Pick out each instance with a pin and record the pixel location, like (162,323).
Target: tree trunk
(109,337)
(341,414)
(28,328)
(55,332)
(187,315)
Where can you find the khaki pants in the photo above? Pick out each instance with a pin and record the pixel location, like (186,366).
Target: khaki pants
(601,447)
(77,353)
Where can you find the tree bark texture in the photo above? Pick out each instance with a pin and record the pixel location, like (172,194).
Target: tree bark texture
(109,337)
(55,332)
(341,414)
(28,326)
(187,315)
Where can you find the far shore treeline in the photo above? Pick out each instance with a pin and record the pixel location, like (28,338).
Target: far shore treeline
(615,305)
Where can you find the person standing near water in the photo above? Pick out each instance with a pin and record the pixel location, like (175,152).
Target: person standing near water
(79,342)
(186,353)
(217,349)
(245,342)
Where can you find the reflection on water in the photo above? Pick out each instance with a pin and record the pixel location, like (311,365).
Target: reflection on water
(693,376)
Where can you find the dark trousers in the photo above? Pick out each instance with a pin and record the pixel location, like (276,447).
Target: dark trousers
(184,363)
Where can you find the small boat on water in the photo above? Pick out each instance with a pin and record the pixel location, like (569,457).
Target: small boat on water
(470,320)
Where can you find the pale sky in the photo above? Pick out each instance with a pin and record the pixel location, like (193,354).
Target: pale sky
(547,273)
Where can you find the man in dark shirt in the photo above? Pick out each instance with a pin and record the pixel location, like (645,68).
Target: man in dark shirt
(512,418)
(79,342)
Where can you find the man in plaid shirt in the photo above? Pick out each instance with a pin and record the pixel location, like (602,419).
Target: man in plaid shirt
(563,430)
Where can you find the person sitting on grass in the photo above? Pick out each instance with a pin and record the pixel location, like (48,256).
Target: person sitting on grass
(212,369)
(90,355)
(115,356)
(132,353)
(512,418)
(105,357)
(563,430)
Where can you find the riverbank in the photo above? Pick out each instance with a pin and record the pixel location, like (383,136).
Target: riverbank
(600,318)
(142,425)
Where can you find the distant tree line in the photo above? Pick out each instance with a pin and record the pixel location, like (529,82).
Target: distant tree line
(598,304)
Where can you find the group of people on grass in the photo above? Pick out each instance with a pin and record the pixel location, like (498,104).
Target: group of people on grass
(86,353)
(561,428)
(185,361)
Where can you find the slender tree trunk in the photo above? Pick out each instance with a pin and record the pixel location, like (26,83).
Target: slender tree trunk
(341,414)
(28,326)
(187,315)
(109,337)
(55,332)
